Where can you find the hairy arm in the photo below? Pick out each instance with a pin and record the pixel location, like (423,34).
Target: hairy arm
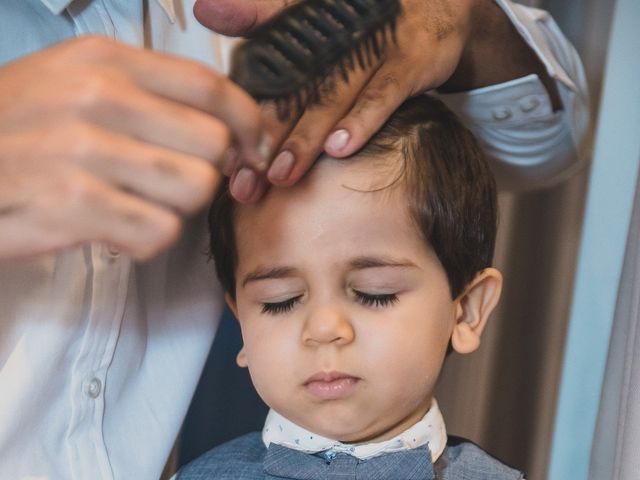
(450,46)
(496,53)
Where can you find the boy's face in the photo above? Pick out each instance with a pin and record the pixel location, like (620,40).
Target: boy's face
(346,313)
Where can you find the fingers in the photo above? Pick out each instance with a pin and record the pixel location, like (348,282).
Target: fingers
(138,228)
(132,112)
(429,43)
(100,187)
(375,104)
(178,182)
(246,186)
(125,146)
(65,213)
(190,87)
(218,98)
(304,143)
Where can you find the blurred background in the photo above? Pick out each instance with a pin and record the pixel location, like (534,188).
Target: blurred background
(504,396)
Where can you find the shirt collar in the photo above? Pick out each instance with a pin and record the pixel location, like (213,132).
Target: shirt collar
(57,6)
(169,7)
(429,431)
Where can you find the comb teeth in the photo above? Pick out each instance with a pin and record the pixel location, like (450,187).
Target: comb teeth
(293,60)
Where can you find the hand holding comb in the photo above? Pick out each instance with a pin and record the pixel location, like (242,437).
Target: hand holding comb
(294,59)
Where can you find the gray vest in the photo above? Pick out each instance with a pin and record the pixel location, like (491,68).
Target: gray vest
(246,458)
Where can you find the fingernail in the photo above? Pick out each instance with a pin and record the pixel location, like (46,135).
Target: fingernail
(282,166)
(264,152)
(228,162)
(244,184)
(338,140)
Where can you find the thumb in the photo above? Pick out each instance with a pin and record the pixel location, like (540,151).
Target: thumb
(236,17)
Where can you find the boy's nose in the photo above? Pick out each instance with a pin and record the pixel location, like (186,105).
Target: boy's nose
(327,325)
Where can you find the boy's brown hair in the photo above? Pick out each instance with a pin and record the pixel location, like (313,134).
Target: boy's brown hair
(451,192)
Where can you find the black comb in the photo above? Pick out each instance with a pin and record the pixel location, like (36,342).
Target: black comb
(293,60)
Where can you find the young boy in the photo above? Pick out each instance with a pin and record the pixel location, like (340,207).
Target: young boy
(350,288)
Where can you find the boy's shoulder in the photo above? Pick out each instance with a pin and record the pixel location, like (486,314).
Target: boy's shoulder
(238,459)
(464,460)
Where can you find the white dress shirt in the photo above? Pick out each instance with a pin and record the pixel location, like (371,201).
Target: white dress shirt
(430,430)
(99,357)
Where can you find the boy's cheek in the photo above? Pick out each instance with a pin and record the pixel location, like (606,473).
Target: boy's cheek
(271,376)
(248,308)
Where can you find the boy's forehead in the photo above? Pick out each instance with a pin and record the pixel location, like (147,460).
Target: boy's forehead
(361,173)
(342,209)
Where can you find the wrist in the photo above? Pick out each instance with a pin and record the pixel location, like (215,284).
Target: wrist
(494,53)
(482,61)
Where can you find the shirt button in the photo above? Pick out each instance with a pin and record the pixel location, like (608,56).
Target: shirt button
(93,388)
(529,105)
(113,251)
(501,113)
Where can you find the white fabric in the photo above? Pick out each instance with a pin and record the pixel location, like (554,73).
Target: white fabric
(99,357)
(528,143)
(429,430)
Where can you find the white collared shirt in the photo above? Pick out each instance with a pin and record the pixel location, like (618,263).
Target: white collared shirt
(99,357)
(430,431)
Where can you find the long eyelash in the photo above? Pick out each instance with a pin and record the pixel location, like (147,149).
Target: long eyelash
(376,300)
(277,308)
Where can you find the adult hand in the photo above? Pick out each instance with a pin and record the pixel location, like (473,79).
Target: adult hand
(105,142)
(453,45)
(430,39)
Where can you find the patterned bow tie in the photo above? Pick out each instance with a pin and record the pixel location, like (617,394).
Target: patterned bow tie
(282,462)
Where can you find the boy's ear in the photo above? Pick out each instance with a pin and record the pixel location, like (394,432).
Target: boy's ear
(231,303)
(241,358)
(473,307)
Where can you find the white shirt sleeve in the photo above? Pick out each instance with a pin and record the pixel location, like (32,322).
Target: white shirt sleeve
(528,143)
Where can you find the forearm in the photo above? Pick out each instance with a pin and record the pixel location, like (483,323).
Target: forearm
(496,53)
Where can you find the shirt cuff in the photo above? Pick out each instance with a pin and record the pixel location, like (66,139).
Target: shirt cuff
(511,103)
(529,145)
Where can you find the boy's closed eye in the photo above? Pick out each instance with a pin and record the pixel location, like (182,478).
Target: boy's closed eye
(371,282)
(375,300)
(370,300)
(283,306)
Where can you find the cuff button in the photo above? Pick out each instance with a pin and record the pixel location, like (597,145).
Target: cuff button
(501,113)
(529,105)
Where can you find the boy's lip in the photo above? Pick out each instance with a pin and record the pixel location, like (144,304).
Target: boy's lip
(331,385)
